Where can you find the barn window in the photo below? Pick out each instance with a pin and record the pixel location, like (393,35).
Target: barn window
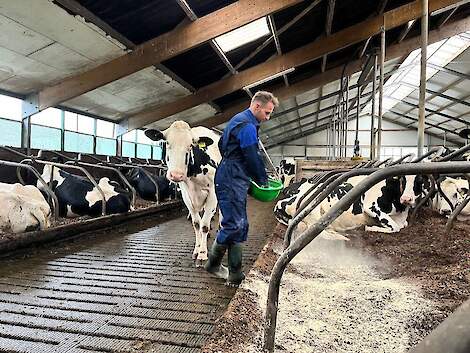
(10,117)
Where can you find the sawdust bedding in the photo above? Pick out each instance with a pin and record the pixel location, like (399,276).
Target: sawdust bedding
(375,293)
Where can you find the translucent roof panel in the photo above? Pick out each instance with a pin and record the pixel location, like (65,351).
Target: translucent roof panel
(406,78)
(243,35)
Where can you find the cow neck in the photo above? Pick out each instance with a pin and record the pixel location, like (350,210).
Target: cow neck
(199,162)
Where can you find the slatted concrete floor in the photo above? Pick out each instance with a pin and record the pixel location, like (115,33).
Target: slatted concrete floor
(132,289)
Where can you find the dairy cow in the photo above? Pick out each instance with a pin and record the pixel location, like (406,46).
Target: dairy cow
(192,157)
(382,208)
(77,196)
(145,187)
(286,172)
(22,208)
(455,191)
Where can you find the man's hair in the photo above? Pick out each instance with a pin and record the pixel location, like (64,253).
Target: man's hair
(265,97)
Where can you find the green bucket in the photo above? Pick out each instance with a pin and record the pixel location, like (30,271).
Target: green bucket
(268,193)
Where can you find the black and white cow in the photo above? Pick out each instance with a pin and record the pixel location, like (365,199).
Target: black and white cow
(382,208)
(455,190)
(145,187)
(286,171)
(23,208)
(77,196)
(192,157)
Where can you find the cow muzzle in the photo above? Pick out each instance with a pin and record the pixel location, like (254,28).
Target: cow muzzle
(445,212)
(407,200)
(175,176)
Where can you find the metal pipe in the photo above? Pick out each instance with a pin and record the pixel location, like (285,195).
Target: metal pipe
(451,336)
(320,194)
(454,154)
(346,115)
(372,117)
(84,171)
(269,160)
(422,84)
(358,110)
(342,205)
(381,91)
(118,172)
(435,150)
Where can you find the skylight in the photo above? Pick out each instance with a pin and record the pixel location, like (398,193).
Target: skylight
(243,35)
(406,78)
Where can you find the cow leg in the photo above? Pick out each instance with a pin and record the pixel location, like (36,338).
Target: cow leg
(196,220)
(210,208)
(388,225)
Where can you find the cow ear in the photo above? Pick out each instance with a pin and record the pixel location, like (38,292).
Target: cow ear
(154,135)
(205,141)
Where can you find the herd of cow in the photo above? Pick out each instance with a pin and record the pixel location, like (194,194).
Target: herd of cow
(192,157)
(24,207)
(383,208)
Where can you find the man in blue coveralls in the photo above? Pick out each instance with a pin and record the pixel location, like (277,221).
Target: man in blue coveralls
(240,163)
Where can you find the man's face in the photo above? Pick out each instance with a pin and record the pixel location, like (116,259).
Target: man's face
(263,112)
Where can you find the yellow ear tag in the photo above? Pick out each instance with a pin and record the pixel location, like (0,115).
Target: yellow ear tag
(201,145)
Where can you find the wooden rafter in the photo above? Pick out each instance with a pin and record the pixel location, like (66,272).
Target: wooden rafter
(161,48)
(380,10)
(405,31)
(392,52)
(297,57)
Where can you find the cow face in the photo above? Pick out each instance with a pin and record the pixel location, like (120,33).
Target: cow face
(410,190)
(179,143)
(455,191)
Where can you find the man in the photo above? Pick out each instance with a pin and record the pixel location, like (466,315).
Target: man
(240,163)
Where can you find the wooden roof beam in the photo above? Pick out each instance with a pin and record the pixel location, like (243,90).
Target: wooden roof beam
(166,46)
(380,10)
(316,81)
(297,57)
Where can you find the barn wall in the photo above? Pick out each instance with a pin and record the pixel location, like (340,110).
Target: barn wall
(394,143)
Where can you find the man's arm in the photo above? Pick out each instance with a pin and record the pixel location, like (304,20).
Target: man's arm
(249,146)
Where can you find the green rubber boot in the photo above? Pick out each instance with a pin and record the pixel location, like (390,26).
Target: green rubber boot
(235,275)
(214,263)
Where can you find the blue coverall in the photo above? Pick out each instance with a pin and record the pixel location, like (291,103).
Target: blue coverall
(240,162)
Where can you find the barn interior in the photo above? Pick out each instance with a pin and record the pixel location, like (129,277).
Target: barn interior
(83,80)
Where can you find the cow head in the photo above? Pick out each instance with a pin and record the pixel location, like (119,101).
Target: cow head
(411,187)
(51,175)
(454,190)
(179,148)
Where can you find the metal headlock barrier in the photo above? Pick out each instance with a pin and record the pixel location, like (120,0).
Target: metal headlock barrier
(76,161)
(376,175)
(133,165)
(65,166)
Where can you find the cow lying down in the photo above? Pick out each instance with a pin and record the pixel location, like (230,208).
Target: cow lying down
(382,208)
(455,190)
(145,187)
(23,208)
(77,196)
